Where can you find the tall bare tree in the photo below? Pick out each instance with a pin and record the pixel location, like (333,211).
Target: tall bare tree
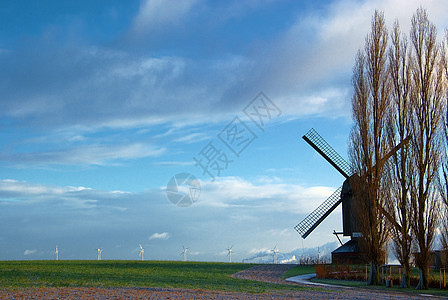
(399,206)
(368,141)
(427,99)
(444,181)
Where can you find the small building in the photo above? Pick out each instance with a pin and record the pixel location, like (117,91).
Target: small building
(349,253)
(439,259)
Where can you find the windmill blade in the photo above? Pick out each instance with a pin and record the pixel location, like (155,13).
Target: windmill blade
(324,149)
(396,148)
(313,220)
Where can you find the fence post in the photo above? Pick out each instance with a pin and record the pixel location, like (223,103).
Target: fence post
(442,278)
(366,272)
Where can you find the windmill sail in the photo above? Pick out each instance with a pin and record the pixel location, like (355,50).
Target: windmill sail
(343,194)
(313,220)
(324,149)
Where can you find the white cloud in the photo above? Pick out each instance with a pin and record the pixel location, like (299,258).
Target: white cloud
(10,187)
(160,236)
(192,138)
(262,250)
(306,68)
(26,193)
(259,253)
(29,252)
(289,261)
(175,163)
(115,89)
(87,154)
(155,15)
(278,196)
(86,216)
(279,232)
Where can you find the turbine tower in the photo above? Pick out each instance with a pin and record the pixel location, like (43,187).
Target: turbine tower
(99,253)
(184,253)
(229,253)
(142,250)
(274,251)
(57,253)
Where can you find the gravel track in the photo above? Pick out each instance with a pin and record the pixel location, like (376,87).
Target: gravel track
(265,273)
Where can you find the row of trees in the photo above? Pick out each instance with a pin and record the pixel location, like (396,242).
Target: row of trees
(397,143)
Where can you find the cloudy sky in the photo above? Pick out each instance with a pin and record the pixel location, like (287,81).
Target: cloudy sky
(103,102)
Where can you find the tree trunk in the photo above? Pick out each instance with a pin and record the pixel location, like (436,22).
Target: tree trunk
(423,281)
(405,280)
(373,275)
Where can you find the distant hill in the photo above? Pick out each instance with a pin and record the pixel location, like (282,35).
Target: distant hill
(295,256)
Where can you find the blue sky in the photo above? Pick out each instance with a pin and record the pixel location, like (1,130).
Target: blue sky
(104,101)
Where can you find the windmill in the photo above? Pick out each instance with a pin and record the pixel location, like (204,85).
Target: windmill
(56,252)
(344,194)
(99,253)
(274,251)
(184,252)
(142,250)
(229,253)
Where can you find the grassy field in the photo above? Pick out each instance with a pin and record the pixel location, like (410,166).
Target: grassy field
(191,275)
(161,274)
(299,270)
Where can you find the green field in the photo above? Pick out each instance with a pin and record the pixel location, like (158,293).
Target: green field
(298,270)
(162,274)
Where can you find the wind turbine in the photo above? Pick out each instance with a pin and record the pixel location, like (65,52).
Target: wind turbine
(275,251)
(229,253)
(99,253)
(142,250)
(57,253)
(184,253)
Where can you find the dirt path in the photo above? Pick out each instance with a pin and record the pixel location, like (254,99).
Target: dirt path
(265,273)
